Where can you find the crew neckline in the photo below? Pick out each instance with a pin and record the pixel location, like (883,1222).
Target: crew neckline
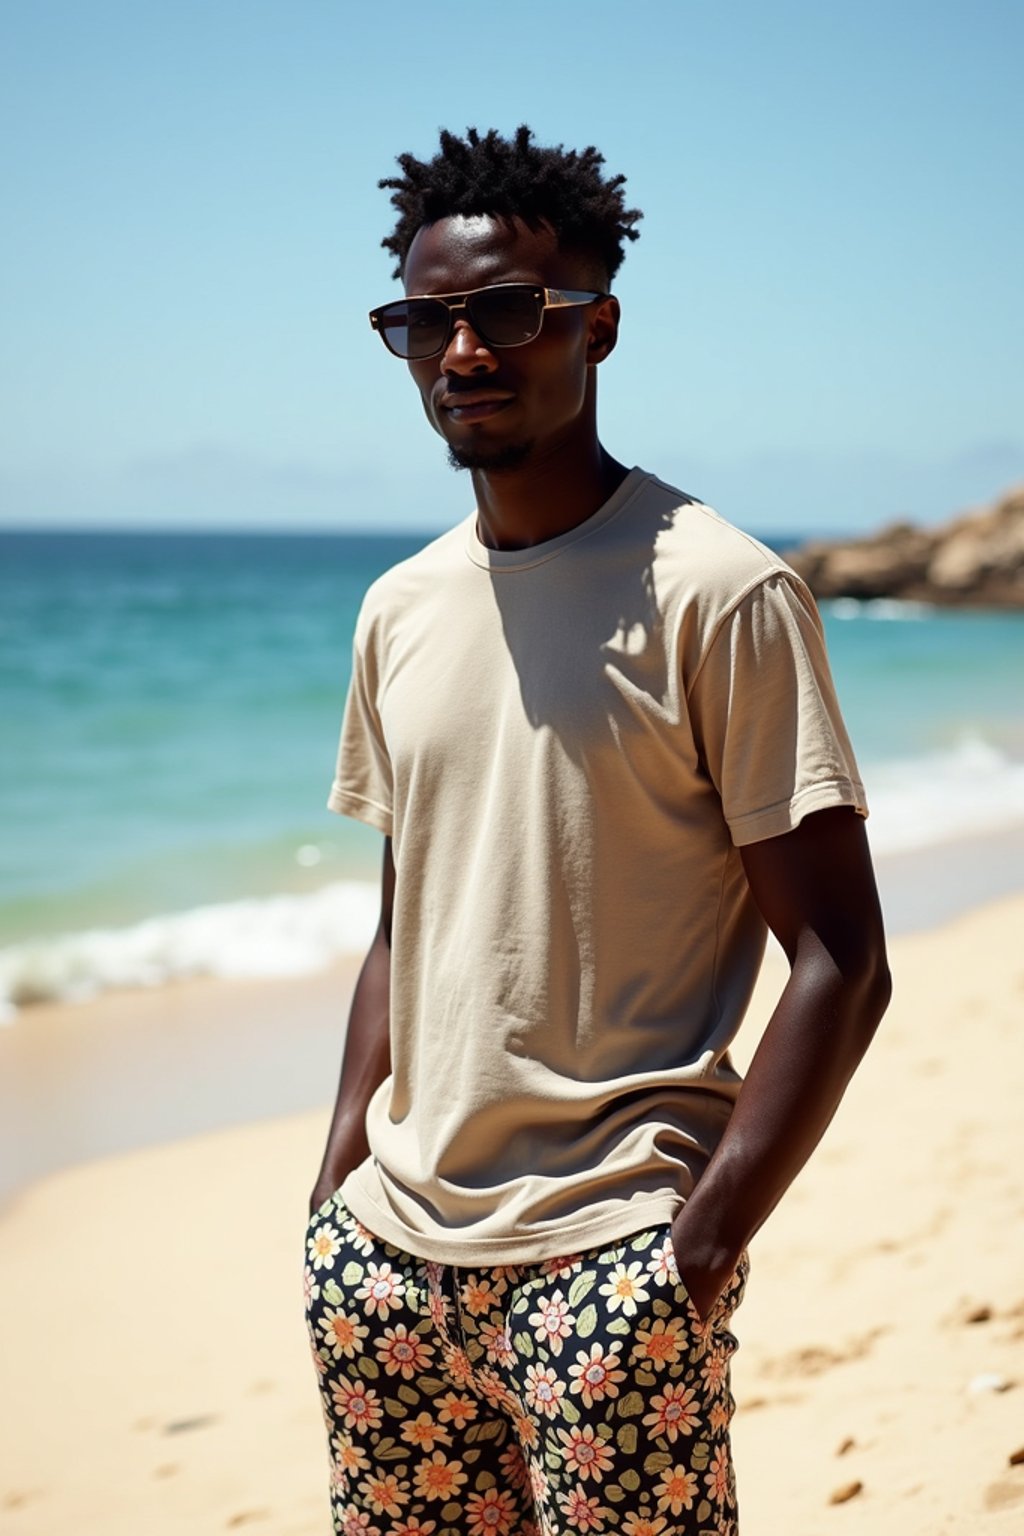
(536,554)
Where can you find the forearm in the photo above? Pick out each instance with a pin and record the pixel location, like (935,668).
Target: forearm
(365,1065)
(820,1029)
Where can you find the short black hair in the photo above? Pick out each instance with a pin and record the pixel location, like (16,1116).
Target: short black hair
(514,177)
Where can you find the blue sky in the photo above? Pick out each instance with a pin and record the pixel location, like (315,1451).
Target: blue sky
(822,321)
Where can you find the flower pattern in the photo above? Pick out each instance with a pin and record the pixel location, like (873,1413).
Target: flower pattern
(582,1393)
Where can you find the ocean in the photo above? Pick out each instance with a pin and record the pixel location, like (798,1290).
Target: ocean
(171,705)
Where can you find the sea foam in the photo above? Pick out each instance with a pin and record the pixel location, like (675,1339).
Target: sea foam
(271,936)
(970,788)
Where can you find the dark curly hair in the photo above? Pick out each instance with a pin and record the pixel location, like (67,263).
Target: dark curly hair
(508,177)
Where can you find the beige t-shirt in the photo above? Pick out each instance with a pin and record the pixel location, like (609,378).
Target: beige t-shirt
(568,745)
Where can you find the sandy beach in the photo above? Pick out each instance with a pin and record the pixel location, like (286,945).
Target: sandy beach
(155,1362)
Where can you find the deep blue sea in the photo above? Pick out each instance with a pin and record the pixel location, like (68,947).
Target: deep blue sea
(170,708)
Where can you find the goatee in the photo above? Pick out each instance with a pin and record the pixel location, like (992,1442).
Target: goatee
(494,460)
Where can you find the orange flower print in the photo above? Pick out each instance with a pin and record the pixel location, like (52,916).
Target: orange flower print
(358,1405)
(494,1390)
(714,1368)
(479,1295)
(677,1489)
(643,1525)
(348,1456)
(561,1269)
(490,1513)
(343,1332)
(413,1527)
(595,1374)
(625,1288)
(676,1411)
(719,1416)
(497,1341)
(661,1266)
(543,1391)
(586,1514)
(718,1477)
(382,1291)
(584,1453)
(552,1321)
(403,1353)
(439,1479)
(439,1308)
(356,1522)
(538,1479)
(513,1466)
(385,1495)
(324,1246)
(526,1430)
(662,1343)
(458,1365)
(423,1431)
(457,1409)
(361,1240)
(310,1287)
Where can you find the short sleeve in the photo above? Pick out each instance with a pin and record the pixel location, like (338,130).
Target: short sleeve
(765,715)
(363,783)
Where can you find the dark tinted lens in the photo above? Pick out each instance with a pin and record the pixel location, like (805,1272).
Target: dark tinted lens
(414,327)
(505,317)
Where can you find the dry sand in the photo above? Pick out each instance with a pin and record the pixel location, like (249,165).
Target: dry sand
(153,1352)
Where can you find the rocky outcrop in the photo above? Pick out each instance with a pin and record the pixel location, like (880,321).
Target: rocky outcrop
(976,560)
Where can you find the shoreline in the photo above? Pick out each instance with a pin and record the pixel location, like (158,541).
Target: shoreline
(130,1069)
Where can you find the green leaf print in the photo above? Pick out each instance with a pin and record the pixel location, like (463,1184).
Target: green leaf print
(491,1429)
(368,1368)
(586,1322)
(394,1409)
(452,1511)
(631,1406)
(408,1394)
(552,1461)
(524,1345)
(704,1510)
(473,1454)
(485,1480)
(662,1308)
(614,1492)
(431,1386)
(626,1437)
(570,1413)
(395,1454)
(333,1293)
(656,1462)
(642,1241)
(631,1477)
(646,1379)
(352,1273)
(700,1456)
(582,1286)
(620,1325)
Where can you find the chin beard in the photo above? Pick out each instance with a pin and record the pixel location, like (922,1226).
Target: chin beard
(495,461)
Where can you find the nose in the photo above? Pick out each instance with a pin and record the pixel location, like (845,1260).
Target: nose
(465,353)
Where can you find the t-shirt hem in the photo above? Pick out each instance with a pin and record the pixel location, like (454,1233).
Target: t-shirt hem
(344,803)
(775,820)
(638,1215)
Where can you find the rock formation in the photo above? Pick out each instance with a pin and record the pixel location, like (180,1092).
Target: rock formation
(976,560)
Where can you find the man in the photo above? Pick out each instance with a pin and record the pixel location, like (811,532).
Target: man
(596,727)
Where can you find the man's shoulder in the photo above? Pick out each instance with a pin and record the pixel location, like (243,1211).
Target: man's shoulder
(703,555)
(415,576)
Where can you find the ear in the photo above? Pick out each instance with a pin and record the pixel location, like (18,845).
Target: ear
(603,332)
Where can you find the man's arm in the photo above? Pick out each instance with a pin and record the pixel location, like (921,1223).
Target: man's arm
(367,1059)
(816,889)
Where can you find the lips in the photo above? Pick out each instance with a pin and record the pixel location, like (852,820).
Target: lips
(474,404)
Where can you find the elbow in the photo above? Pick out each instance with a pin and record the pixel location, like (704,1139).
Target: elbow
(869,985)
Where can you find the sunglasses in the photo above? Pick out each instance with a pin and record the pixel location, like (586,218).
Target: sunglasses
(505,315)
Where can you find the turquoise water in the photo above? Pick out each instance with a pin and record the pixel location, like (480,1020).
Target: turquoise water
(171,706)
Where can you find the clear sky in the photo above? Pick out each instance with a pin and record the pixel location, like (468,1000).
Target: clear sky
(822,319)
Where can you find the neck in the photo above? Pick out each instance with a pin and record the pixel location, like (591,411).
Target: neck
(555,491)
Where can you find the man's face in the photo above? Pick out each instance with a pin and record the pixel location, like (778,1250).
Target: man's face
(497,407)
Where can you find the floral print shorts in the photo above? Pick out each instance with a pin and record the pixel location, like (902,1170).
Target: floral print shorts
(582,1394)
